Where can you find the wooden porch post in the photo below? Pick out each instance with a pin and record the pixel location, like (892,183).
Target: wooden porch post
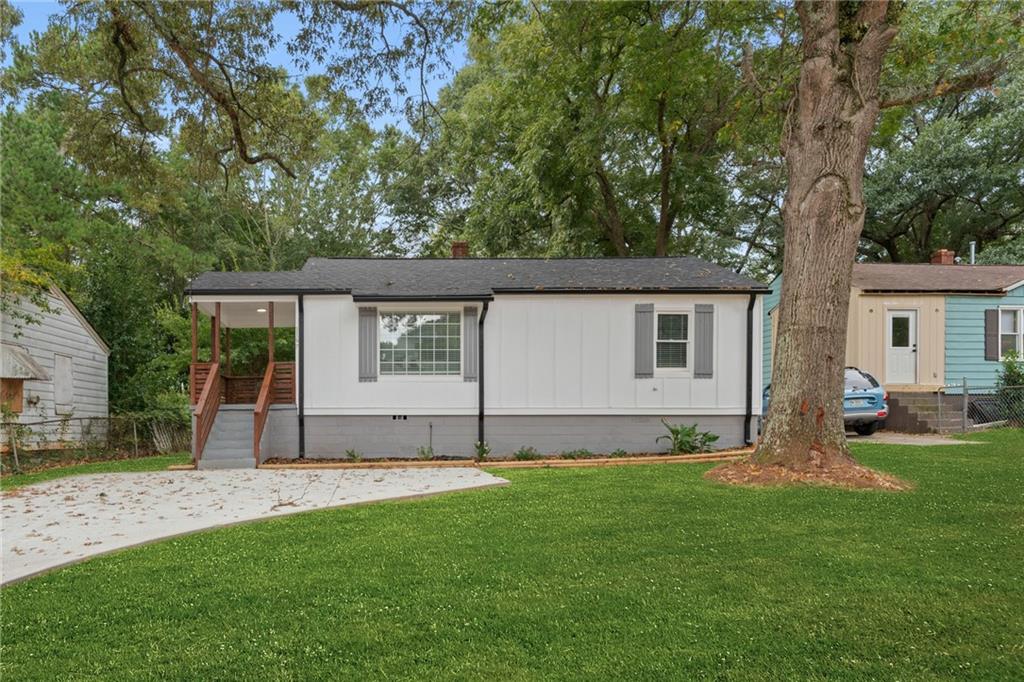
(195,333)
(215,334)
(227,350)
(270,331)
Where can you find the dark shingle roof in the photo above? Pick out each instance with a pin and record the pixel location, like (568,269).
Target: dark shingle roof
(925,277)
(410,278)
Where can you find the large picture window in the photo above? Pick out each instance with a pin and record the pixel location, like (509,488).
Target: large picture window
(1011,332)
(420,343)
(672,341)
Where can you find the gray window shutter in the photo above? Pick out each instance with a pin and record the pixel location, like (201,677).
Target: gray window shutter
(368,344)
(992,334)
(644,340)
(703,341)
(470,346)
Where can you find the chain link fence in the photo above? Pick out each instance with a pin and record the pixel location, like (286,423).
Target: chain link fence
(31,443)
(970,407)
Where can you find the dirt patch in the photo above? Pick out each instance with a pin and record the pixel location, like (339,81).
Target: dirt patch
(836,472)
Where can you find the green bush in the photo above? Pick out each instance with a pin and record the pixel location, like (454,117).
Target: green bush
(1010,389)
(482,450)
(619,453)
(527,453)
(581,453)
(354,455)
(684,440)
(425,452)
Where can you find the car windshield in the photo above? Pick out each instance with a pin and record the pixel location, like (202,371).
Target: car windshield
(857,380)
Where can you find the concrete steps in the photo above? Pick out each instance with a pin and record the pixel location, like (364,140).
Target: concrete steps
(230,443)
(924,413)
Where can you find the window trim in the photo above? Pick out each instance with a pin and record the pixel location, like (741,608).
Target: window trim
(687,343)
(422,309)
(1019,310)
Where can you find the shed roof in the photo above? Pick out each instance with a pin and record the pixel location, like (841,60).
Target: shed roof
(927,277)
(475,278)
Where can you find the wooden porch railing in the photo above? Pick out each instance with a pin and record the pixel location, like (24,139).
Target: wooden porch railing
(206,408)
(259,418)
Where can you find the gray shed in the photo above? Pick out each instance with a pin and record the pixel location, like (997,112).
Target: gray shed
(54,373)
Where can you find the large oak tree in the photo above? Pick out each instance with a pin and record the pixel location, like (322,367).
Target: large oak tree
(828,127)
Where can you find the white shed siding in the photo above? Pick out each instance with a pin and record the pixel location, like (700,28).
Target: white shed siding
(60,333)
(544,354)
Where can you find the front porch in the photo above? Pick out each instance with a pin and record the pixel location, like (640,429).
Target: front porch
(215,382)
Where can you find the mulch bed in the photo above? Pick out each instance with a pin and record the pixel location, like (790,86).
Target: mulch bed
(545,462)
(835,472)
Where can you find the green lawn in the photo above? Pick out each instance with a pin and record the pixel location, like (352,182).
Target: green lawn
(157,463)
(599,573)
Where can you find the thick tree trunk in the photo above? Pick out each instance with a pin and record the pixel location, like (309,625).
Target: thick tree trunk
(825,141)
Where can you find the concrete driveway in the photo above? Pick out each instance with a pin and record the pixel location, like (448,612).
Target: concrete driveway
(59,522)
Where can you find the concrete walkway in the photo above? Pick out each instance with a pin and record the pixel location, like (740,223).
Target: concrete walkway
(894,438)
(59,522)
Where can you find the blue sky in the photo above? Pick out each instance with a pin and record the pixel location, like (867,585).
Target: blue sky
(37,14)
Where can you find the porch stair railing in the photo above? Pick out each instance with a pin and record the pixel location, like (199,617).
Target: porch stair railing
(263,401)
(206,408)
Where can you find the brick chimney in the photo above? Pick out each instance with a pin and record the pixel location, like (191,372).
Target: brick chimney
(460,249)
(944,257)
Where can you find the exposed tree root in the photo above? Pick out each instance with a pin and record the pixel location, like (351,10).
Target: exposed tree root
(836,471)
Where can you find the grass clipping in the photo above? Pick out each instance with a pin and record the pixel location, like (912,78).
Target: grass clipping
(837,471)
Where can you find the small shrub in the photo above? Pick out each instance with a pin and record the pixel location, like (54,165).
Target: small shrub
(425,452)
(527,453)
(1010,389)
(581,453)
(619,453)
(482,450)
(354,455)
(684,440)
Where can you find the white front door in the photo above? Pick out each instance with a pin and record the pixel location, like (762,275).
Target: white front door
(901,347)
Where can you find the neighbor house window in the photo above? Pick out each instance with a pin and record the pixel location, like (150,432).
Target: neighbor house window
(1011,332)
(673,341)
(420,343)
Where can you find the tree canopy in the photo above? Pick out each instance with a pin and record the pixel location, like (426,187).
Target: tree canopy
(144,142)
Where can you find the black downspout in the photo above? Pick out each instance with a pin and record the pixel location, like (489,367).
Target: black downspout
(480,377)
(750,370)
(302,380)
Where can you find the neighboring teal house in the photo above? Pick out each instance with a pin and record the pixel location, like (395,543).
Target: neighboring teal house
(917,327)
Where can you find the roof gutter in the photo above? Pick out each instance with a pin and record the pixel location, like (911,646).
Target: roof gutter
(750,371)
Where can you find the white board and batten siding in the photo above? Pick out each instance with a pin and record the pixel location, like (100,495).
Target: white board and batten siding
(544,355)
(75,359)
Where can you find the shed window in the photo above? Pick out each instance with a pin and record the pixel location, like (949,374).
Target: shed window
(1011,332)
(11,394)
(421,344)
(672,341)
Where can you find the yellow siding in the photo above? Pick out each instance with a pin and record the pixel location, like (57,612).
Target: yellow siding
(867,337)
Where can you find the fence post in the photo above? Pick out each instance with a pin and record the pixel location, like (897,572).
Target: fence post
(135,436)
(963,414)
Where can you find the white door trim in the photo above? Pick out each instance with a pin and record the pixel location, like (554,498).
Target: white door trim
(902,363)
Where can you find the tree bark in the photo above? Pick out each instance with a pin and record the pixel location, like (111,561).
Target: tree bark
(825,140)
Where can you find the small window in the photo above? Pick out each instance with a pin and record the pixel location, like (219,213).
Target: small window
(672,341)
(421,344)
(1011,339)
(11,393)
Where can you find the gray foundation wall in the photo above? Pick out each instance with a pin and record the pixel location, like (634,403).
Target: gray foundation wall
(383,436)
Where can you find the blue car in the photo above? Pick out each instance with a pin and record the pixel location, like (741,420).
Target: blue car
(865,403)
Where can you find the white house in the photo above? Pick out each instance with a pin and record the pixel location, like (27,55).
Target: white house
(53,373)
(394,355)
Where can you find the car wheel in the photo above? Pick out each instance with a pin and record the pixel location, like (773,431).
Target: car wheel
(866,429)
